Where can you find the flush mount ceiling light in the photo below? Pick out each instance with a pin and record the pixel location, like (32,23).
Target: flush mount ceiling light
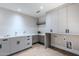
(41,7)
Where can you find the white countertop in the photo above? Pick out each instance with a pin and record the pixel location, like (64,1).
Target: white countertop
(6,37)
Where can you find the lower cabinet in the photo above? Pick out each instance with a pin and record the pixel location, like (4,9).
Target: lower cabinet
(20,43)
(29,41)
(15,44)
(35,39)
(74,39)
(41,39)
(57,39)
(4,47)
(66,42)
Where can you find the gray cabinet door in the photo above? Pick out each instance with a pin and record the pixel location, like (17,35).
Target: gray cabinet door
(74,39)
(73,19)
(58,40)
(4,47)
(62,20)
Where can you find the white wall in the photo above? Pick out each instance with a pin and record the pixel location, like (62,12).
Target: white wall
(11,22)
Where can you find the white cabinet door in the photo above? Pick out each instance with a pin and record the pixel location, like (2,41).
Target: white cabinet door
(4,47)
(73,18)
(74,39)
(55,21)
(48,22)
(14,45)
(17,44)
(23,43)
(62,21)
(52,21)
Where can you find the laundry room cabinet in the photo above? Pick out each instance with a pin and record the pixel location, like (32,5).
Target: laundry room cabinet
(62,20)
(73,19)
(67,36)
(75,41)
(4,47)
(52,21)
(58,40)
(14,44)
(20,43)
(28,41)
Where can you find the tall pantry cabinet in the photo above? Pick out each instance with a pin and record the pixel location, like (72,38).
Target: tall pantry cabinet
(67,36)
(73,24)
(59,39)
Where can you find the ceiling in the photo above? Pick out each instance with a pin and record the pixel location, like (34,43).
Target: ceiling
(32,9)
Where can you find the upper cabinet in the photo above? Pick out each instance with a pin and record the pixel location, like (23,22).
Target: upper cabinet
(62,20)
(73,19)
(52,21)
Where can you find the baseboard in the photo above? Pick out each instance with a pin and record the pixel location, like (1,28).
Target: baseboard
(18,51)
(41,43)
(38,43)
(64,51)
(34,43)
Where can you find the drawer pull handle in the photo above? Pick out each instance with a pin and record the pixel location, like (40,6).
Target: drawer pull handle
(0,46)
(18,42)
(5,39)
(28,39)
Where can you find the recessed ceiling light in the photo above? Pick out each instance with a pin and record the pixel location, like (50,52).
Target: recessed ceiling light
(19,9)
(41,7)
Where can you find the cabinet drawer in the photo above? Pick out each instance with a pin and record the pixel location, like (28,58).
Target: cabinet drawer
(4,40)
(29,44)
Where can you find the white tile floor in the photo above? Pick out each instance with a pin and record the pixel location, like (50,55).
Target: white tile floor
(39,50)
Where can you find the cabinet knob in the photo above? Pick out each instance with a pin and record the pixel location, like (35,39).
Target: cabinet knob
(18,42)
(5,39)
